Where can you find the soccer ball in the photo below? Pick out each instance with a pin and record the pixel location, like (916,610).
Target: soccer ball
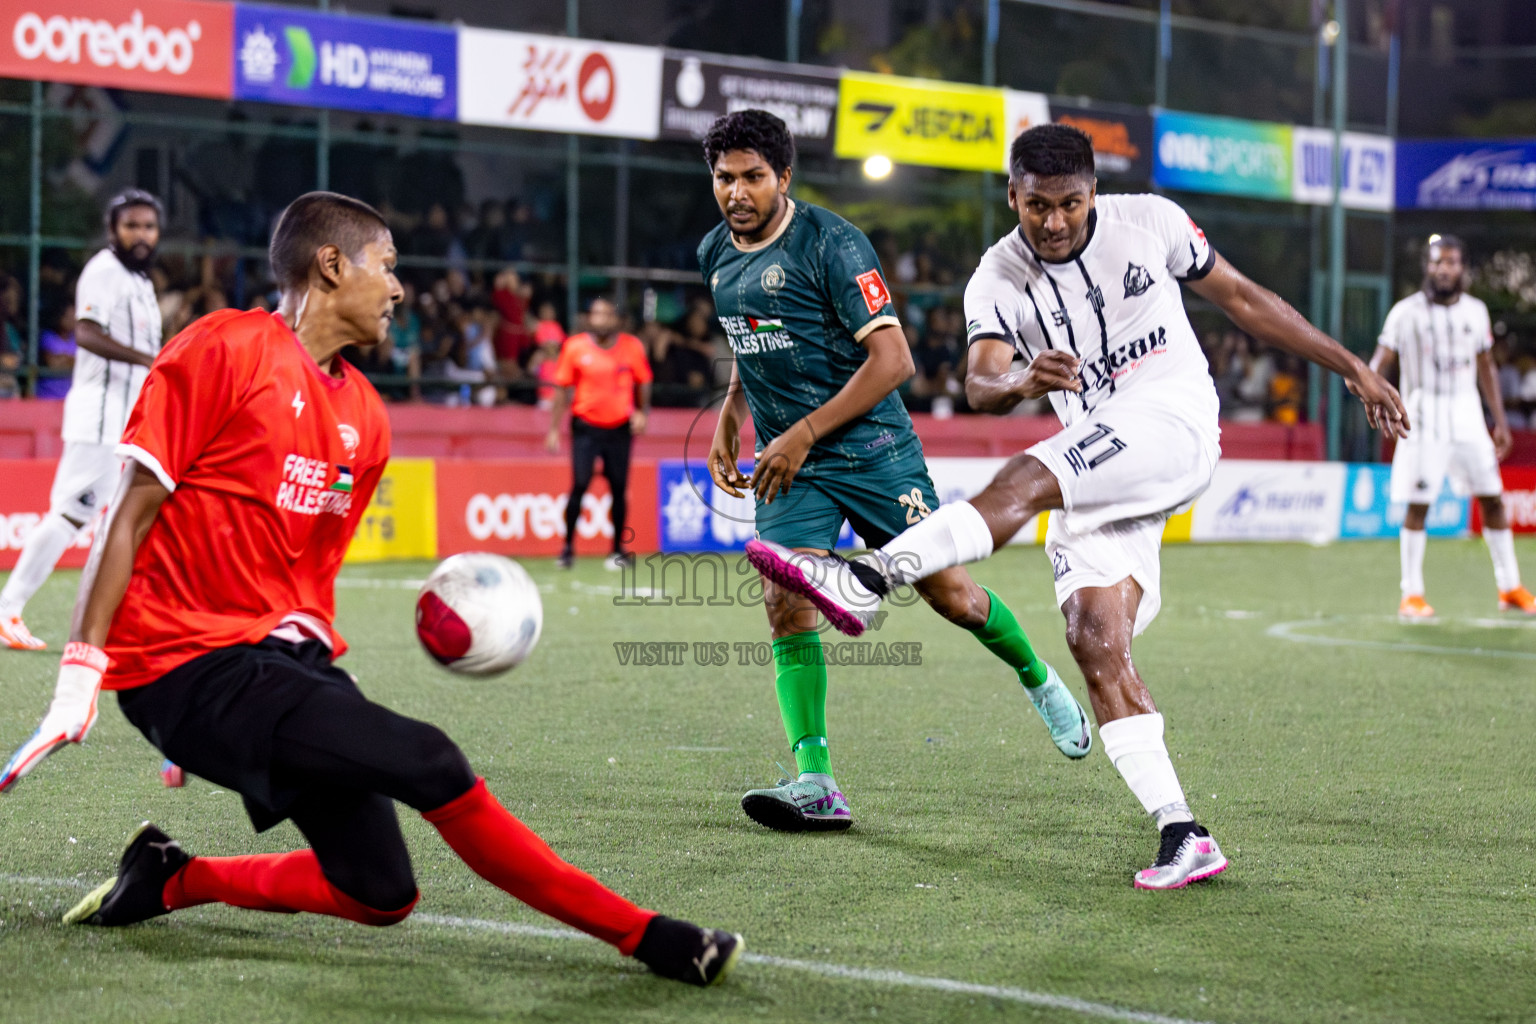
(479,614)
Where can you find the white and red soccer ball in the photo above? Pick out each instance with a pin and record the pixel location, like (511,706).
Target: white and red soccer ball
(479,614)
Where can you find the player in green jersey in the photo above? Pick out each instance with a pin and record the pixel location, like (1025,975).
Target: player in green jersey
(819,354)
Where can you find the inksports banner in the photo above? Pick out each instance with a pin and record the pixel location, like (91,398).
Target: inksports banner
(918,121)
(1226,155)
(170,46)
(347,63)
(1122,141)
(696,88)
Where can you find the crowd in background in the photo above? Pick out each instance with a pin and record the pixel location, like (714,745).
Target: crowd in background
(464,335)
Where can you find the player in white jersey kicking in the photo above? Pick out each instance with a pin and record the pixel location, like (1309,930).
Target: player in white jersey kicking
(117,332)
(1441,338)
(1086,291)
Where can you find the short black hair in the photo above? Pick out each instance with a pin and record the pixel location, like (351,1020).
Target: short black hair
(1445,242)
(315,219)
(129,198)
(1051,151)
(763,133)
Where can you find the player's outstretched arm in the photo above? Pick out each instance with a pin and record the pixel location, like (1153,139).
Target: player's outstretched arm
(94,338)
(992,386)
(1273,321)
(725,448)
(889,364)
(73,710)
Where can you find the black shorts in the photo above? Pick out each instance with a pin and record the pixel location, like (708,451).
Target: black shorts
(216,716)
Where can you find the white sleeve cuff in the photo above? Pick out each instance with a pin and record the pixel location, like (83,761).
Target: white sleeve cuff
(149,462)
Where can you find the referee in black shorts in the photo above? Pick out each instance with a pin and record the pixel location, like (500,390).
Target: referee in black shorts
(605,379)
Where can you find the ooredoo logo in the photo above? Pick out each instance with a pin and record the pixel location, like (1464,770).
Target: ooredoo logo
(129,45)
(175,46)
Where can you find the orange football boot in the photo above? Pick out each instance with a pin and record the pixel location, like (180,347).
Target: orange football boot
(1415,607)
(15,634)
(1517,600)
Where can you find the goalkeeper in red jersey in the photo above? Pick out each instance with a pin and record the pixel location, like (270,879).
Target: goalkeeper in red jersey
(208,606)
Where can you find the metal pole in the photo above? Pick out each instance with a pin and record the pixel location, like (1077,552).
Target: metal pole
(621,223)
(1315,373)
(323,151)
(792,31)
(35,234)
(572,197)
(989,78)
(1336,224)
(1164,53)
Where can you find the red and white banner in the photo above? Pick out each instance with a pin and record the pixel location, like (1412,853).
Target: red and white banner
(517,507)
(23,503)
(555,84)
(1519,500)
(171,46)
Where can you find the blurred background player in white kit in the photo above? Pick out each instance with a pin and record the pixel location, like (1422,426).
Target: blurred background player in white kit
(1442,338)
(118,334)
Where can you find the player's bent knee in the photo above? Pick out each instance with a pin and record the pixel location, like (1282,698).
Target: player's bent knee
(437,770)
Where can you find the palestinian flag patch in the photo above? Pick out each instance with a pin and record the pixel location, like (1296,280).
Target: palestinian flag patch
(765,326)
(343,480)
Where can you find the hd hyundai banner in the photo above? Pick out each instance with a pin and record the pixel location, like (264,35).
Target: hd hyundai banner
(556,84)
(696,88)
(319,60)
(171,46)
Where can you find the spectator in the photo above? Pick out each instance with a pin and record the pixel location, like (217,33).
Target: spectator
(685,355)
(405,345)
(12,347)
(1287,392)
(514,339)
(56,346)
(485,241)
(1509,381)
(542,365)
(548,327)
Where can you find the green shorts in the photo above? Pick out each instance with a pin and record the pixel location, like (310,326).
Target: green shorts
(878,503)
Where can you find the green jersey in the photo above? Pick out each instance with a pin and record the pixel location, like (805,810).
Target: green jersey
(796,308)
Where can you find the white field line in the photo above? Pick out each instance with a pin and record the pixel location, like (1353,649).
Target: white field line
(895,979)
(1289,631)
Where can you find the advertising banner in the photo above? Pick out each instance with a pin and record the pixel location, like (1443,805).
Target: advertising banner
(1368,181)
(401,520)
(1368,512)
(1021,111)
(23,503)
(556,84)
(697,88)
(1466,174)
(1122,142)
(1519,500)
(172,46)
(1226,155)
(917,121)
(695,515)
(1254,500)
(517,507)
(348,63)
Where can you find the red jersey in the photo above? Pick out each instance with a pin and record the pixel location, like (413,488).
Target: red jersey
(270,462)
(604,378)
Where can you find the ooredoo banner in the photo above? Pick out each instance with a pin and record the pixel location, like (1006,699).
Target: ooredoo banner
(23,503)
(349,63)
(173,46)
(697,88)
(517,507)
(555,84)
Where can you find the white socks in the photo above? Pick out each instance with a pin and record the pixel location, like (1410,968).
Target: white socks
(1135,746)
(42,550)
(1411,552)
(1501,545)
(953,534)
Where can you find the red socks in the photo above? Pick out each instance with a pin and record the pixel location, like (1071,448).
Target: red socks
(284,883)
(508,854)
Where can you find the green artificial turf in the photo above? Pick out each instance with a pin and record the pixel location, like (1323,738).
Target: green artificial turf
(1372,783)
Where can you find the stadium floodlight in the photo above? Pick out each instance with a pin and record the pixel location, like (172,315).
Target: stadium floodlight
(878,167)
(1330,32)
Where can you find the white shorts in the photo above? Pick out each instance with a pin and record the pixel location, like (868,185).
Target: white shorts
(1126,462)
(1104,557)
(1419,467)
(84,481)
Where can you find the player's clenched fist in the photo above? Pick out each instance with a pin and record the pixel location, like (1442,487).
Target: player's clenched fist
(1051,370)
(1383,406)
(723,468)
(69,717)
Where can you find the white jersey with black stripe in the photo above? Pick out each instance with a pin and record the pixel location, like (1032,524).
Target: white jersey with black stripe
(1437,346)
(1115,304)
(103,391)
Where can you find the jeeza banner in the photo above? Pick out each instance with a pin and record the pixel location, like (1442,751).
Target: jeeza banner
(697,88)
(349,63)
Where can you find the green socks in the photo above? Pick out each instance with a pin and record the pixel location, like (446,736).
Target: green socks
(801,682)
(1004,637)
